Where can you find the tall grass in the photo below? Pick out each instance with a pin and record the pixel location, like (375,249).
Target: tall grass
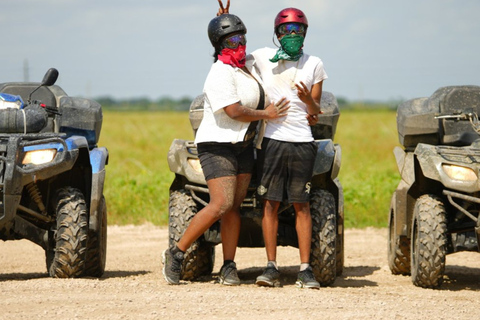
(138,177)
(368,173)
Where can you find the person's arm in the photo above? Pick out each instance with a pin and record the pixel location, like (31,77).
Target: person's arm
(239,112)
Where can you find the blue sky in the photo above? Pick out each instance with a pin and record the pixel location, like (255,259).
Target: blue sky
(372,49)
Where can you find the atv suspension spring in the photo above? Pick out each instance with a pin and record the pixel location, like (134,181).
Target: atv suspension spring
(36,196)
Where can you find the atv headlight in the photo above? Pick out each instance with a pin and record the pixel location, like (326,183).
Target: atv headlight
(459,173)
(39,156)
(195,164)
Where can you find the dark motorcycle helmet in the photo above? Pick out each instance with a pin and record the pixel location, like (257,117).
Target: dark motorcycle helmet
(223,25)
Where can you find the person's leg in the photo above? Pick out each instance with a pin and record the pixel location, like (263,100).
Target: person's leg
(303,225)
(270,276)
(230,230)
(300,173)
(271,188)
(221,201)
(270,228)
(230,225)
(303,219)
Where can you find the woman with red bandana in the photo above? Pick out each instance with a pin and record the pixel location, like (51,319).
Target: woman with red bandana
(233,104)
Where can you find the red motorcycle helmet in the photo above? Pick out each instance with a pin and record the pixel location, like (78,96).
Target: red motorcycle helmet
(290,15)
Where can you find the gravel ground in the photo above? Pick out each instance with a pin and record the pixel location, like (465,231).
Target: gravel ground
(133,286)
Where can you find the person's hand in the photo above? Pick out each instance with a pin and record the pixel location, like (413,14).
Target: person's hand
(223,10)
(312,119)
(278,109)
(304,94)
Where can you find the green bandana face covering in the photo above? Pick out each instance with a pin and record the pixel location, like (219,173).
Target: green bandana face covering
(291,48)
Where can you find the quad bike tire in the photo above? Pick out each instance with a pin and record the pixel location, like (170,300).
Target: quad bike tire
(200,257)
(324,231)
(398,249)
(97,245)
(67,252)
(429,242)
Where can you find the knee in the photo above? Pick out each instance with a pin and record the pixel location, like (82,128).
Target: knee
(270,210)
(220,209)
(302,209)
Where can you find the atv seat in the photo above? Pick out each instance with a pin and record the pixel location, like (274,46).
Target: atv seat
(416,121)
(46,95)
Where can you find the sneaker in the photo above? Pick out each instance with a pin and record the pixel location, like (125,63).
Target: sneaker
(306,279)
(228,274)
(172,266)
(269,278)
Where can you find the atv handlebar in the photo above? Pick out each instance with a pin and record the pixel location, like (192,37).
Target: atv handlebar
(468,114)
(36,103)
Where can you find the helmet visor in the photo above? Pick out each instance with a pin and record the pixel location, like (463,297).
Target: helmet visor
(288,28)
(234,41)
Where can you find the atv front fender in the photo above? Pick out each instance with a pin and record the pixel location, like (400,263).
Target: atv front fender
(98,160)
(432,158)
(183,160)
(328,158)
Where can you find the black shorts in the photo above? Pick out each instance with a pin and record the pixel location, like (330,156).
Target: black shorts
(286,169)
(225,159)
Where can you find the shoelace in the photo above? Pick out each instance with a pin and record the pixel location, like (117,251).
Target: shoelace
(229,269)
(307,275)
(270,270)
(176,264)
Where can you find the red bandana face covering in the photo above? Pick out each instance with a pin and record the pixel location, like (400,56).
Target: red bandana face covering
(234,57)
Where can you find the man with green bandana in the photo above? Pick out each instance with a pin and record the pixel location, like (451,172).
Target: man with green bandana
(288,150)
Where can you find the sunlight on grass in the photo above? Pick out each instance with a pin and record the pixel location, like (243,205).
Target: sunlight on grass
(138,177)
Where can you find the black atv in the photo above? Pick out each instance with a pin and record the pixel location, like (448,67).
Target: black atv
(189,194)
(52,175)
(435,209)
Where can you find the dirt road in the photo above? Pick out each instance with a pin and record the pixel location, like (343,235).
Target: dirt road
(133,286)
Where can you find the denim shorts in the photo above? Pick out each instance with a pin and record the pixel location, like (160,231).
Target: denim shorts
(225,159)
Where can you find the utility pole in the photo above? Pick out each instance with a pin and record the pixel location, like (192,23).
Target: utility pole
(26,77)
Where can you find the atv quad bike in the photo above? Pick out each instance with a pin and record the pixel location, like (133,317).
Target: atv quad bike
(189,194)
(435,209)
(52,175)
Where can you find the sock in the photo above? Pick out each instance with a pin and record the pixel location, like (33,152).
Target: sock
(225,262)
(304,266)
(175,250)
(272,264)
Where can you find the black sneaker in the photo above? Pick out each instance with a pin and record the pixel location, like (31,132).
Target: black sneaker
(269,278)
(172,266)
(228,274)
(306,279)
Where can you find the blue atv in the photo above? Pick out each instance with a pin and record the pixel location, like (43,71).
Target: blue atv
(52,175)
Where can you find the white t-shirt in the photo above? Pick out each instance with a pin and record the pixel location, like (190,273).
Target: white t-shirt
(278,79)
(226,85)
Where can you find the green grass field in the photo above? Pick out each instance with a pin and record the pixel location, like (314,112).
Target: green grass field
(138,177)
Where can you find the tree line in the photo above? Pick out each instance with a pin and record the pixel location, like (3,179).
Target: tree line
(183,104)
